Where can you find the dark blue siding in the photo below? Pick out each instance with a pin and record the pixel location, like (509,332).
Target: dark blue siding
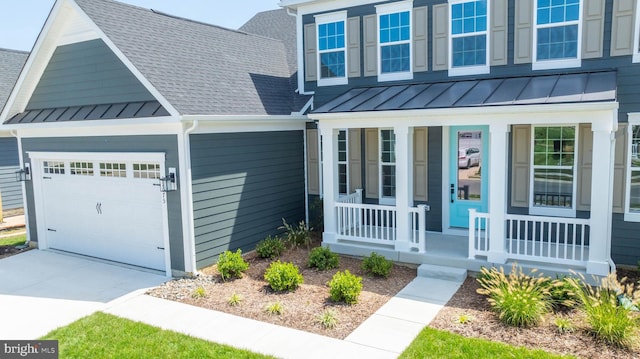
(625,241)
(244,184)
(160,143)
(9,164)
(86,73)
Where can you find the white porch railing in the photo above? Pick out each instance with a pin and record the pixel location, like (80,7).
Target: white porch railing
(377,224)
(534,238)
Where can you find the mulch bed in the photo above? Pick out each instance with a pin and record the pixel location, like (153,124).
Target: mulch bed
(485,324)
(8,251)
(301,307)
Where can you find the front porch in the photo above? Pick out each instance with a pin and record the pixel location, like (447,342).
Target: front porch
(555,244)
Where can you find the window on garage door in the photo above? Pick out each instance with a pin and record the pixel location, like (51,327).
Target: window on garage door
(109,169)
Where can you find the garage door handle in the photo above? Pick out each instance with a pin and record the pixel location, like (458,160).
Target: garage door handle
(51,230)
(46,177)
(161,248)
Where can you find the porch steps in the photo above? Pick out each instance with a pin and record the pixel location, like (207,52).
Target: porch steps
(441,272)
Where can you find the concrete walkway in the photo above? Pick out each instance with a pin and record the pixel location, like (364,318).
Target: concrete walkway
(384,335)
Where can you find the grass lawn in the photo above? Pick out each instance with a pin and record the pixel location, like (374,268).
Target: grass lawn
(433,343)
(103,335)
(13,241)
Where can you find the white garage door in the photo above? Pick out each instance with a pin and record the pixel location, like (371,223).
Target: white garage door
(105,208)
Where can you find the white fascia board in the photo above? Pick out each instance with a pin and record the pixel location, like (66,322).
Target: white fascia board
(595,112)
(100,128)
(228,124)
(311,7)
(98,156)
(163,101)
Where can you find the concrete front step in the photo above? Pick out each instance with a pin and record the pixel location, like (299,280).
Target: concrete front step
(441,272)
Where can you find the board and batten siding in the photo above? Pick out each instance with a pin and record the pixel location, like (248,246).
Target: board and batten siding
(167,144)
(9,164)
(86,73)
(244,184)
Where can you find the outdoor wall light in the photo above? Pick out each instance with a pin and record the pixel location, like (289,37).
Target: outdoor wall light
(24,174)
(169,183)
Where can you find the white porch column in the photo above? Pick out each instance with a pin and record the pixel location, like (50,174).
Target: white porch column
(329,182)
(604,142)
(404,186)
(498,159)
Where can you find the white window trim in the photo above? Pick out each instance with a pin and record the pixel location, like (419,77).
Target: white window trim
(345,162)
(634,120)
(384,200)
(326,19)
(636,37)
(551,211)
(384,9)
(562,63)
(476,69)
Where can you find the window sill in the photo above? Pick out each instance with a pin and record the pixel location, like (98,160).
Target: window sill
(556,64)
(552,212)
(469,70)
(395,76)
(333,82)
(636,57)
(387,201)
(631,217)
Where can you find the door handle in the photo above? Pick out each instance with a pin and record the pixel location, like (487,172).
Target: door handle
(453,191)
(99,208)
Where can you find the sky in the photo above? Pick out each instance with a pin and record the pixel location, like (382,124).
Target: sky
(22,20)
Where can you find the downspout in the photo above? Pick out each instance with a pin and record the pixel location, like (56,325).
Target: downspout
(306,179)
(300,52)
(189,189)
(14,133)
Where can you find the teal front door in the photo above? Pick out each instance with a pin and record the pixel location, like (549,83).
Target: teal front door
(468,177)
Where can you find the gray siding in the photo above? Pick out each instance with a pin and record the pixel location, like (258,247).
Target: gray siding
(244,184)
(9,164)
(160,143)
(86,73)
(625,242)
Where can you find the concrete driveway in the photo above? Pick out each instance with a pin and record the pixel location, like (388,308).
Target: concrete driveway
(42,290)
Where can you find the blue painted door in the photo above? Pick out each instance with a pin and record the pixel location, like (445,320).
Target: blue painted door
(468,177)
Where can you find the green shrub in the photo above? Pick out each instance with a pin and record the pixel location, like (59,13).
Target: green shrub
(608,320)
(519,299)
(377,265)
(274,308)
(270,247)
(328,319)
(283,276)
(562,293)
(564,325)
(316,212)
(296,236)
(234,300)
(345,287)
(465,318)
(231,265)
(199,293)
(322,258)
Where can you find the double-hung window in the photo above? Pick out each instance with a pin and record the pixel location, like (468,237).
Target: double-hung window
(469,40)
(557,34)
(343,163)
(332,54)
(394,41)
(387,166)
(554,171)
(632,210)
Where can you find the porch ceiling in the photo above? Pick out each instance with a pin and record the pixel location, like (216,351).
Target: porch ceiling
(529,90)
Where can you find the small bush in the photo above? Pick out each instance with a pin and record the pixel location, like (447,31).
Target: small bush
(377,265)
(608,320)
(270,247)
(465,318)
(274,308)
(345,287)
(328,319)
(296,236)
(519,299)
(283,276)
(231,265)
(323,259)
(562,293)
(199,293)
(564,325)
(234,300)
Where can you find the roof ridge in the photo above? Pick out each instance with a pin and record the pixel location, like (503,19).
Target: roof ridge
(162,13)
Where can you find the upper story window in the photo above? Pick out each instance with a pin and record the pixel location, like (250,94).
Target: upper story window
(469,40)
(554,171)
(394,41)
(557,36)
(332,54)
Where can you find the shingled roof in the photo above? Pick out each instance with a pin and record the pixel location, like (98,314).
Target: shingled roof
(11,63)
(200,69)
